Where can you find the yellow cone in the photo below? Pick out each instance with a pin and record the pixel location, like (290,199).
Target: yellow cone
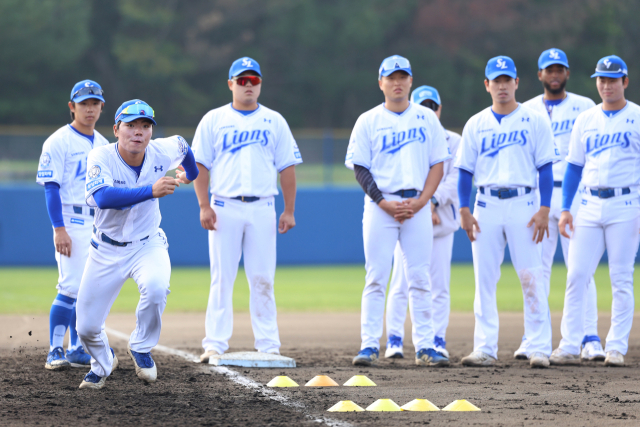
(321,381)
(345,406)
(461,405)
(384,405)
(419,405)
(359,381)
(282,381)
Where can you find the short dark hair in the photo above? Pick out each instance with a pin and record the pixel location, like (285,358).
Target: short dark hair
(73,116)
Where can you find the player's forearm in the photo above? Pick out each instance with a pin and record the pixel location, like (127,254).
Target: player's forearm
(570,184)
(465,183)
(201,186)
(288,183)
(190,166)
(431,183)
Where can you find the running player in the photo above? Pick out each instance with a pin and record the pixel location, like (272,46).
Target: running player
(62,171)
(397,150)
(604,152)
(444,206)
(505,147)
(562,108)
(240,148)
(124,182)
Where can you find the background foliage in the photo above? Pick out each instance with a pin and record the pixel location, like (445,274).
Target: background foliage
(319,57)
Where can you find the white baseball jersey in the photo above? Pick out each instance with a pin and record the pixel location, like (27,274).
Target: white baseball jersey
(106,168)
(562,118)
(447,192)
(509,153)
(244,153)
(64,161)
(398,149)
(607,147)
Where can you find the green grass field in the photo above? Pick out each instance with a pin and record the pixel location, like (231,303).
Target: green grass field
(323,288)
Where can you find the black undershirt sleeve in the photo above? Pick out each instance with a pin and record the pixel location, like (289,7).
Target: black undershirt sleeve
(365,179)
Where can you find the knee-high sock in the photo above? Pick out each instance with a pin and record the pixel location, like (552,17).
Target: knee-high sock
(59,318)
(73,333)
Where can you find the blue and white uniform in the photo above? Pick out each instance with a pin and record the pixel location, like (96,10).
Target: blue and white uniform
(244,152)
(399,151)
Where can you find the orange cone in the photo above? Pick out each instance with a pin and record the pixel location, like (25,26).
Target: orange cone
(321,381)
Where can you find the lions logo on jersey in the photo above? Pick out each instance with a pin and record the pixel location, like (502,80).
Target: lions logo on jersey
(94,172)
(45,160)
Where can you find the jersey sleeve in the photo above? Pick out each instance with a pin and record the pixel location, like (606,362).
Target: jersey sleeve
(576,154)
(175,147)
(51,165)
(202,144)
(467,155)
(287,152)
(545,149)
(359,149)
(439,148)
(99,174)
(447,191)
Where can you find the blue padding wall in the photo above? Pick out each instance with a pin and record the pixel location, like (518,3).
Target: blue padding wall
(328,230)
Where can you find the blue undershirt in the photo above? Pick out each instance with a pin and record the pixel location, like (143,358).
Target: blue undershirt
(245,112)
(570,184)
(124,198)
(611,113)
(498,117)
(550,103)
(54,203)
(464,187)
(89,137)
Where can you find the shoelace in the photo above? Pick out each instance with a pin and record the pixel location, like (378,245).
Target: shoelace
(395,341)
(144,360)
(440,342)
(58,353)
(92,378)
(367,351)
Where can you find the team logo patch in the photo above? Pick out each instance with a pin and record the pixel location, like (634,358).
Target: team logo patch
(94,172)
(45,174)
(157,168)
(425,93)
(45,160)
(77,221)
(94,184)
(184,147)
(482,204)
(218,203)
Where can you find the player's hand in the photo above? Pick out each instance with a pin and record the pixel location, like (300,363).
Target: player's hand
(181,176)
(469,223)
(414,204)
(397,210)
(435,218)
(286,223)
(62,241)
(164,186)
(540,221)
(208,218)
(566,219)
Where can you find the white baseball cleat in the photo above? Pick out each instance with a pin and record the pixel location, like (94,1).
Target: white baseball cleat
(614,358)
(145,366)
(204,357)
(95,382)
(443,351)
(538,360)
(478,358)
(561,357)
(394,348)
(592,352)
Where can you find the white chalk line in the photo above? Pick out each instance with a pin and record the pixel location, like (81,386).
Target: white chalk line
(243,381)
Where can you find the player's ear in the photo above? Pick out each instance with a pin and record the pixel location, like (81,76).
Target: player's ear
(230,83)
(568,73)
(72,106)
(540,75)
(517,80)
(625,82)
(380,84)
(115,130)
(486,85)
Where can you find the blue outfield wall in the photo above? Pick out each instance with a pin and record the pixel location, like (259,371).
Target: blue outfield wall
(328,230)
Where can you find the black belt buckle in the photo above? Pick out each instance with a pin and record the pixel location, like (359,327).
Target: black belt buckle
(247,199)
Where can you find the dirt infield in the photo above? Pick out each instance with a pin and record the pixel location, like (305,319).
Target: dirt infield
(509,394)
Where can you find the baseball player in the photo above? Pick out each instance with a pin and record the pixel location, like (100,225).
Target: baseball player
(240,149)
(604,152)
(397,150)
(561,109)
(124,182)
(62,172)
(444,216)
(505,147)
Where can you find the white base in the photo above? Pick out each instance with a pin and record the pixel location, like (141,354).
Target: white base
(252,359)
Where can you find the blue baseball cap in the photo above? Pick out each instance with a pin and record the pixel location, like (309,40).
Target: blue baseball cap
(611,66)
(135,109)
(423,93)
(500,66)
(244,64)
(392,64)
(552,56)
(86,89)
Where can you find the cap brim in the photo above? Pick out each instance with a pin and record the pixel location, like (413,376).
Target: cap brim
(548,63)
(610,75)
(242,70)
(386,73)
(421,100)
(131,117)
(497,74)
(85,97)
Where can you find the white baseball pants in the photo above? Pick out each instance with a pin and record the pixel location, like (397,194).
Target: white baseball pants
(381,233)
(108,267)
(600,224)
(79,229)
(505,221)
(440,272)
(249,229)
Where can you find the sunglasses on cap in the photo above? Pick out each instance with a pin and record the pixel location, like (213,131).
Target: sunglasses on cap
(603,68)
(88,91)
(399,62)
(243,80)
(137,109)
